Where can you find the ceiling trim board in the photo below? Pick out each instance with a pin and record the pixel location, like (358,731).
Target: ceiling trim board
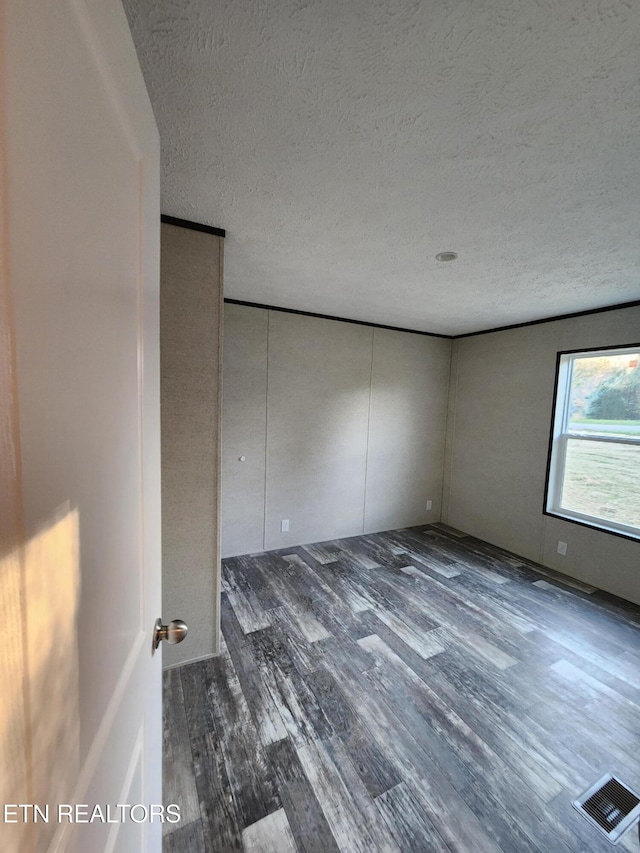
(620,306)
(336,319)
(634,304)
(193,226)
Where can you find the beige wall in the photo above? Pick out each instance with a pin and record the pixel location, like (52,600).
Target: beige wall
(497,442)
(317,414)
(190,334)
(244,429)
(342,427)
(409,387)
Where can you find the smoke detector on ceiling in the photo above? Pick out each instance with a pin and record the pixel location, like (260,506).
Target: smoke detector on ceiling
(446,256)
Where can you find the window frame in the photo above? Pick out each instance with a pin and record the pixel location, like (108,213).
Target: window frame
(559,437)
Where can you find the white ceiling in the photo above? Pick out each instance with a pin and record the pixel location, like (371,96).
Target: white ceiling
(344,143)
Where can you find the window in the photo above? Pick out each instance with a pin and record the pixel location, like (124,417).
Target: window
(594,456)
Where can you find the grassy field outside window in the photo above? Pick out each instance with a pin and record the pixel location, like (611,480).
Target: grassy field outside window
(603,481)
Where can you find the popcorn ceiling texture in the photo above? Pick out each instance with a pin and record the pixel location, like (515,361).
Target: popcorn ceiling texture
(343,143)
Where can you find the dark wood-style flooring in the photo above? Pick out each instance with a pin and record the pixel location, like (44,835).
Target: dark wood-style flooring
(417,690)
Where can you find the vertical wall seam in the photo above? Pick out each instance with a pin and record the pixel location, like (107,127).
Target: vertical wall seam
(366,456)
(449,434)
(266,439)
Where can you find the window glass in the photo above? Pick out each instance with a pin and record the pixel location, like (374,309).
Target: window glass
(605,395)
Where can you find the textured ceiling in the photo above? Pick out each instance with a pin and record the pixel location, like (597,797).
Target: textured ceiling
(343,143)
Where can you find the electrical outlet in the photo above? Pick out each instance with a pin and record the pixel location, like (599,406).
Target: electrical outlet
(562,548)
(284,525)
(429,505)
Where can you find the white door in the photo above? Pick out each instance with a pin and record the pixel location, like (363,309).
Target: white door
(81,720)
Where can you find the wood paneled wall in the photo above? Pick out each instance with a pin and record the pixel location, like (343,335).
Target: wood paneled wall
(338,428)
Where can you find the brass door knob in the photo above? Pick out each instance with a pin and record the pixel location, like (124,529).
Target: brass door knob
(174,632)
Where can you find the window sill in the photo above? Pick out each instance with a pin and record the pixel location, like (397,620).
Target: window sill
(594,524)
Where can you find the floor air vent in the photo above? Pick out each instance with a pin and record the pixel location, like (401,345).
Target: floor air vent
(610,806)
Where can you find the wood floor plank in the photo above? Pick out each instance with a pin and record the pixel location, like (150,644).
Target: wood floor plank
(260,700)
(420,572)
(518,822)
(299,610)
(408,822)
(220,826)
(250,616)
(306,656)
(188,838)
(356,553)
(452,818)
(272,834)
(179,784)
(243,597)
(349,825)
(421,546)
(251,578)
(321,602)
(351,589)
(434,566)
(425,643)
(309,826)
(307,582)
(378,550)
(321,554)
(297,705)
(231,628)
(376,772)
(476,644)
(341,760)
(228,723)
(506,822)
(217,809)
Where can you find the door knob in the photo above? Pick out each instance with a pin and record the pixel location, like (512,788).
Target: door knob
(174,632)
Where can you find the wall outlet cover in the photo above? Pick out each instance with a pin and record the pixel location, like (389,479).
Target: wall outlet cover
(429,505)
(562,548)
(284,525)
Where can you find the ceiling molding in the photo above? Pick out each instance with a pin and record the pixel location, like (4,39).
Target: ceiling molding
(193,226)
(336,319)
(618,307)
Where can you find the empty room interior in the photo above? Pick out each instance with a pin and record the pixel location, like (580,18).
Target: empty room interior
(400,411)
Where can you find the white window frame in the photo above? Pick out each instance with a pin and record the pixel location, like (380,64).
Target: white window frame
(560,436)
